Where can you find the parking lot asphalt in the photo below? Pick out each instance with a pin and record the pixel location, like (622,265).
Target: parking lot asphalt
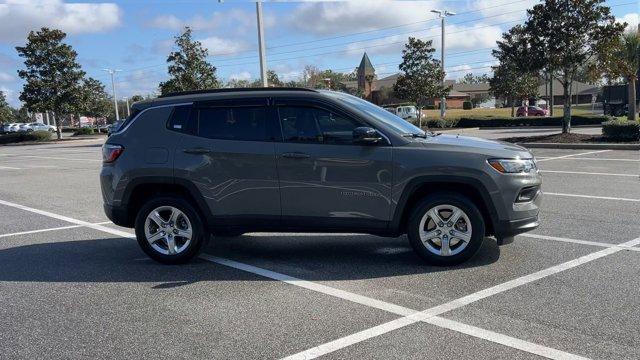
(72,285)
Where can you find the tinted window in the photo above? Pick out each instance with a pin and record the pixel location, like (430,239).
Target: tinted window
(306,124)
(239,123)
(179,118)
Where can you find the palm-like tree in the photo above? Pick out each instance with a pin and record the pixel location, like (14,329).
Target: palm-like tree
(627,57)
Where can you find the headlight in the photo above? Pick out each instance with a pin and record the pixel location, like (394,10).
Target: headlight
(513,166)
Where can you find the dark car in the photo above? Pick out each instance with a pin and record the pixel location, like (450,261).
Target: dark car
(225,162)
(531,111)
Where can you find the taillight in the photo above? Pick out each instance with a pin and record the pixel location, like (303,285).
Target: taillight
(111,152)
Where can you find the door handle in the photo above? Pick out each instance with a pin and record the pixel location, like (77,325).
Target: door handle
(197,151)
(296,155)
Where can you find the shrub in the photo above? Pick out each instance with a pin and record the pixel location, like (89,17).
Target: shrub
(467,105)
(83,131)
(26,136)
(429,107)
(623,130)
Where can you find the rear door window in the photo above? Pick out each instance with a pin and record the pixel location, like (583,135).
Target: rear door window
(244,123)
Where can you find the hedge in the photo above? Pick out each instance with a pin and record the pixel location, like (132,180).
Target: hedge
(467,105)
(83,131)
(25,136)
(469,122)
(624,130)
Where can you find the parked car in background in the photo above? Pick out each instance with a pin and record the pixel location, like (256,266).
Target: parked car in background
(531,110)
(42,127)
(11,127)
(405,111)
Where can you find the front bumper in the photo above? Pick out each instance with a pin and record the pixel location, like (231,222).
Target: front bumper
(510,228)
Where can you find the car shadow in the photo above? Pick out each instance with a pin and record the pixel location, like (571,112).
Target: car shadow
(323,257)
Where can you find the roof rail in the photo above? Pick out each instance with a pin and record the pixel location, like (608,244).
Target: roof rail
(225,90)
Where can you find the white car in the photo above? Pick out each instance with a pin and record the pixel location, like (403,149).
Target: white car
(9,128)
(36,127)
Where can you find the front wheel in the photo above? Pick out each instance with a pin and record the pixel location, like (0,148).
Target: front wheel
(446,229)
(170,230)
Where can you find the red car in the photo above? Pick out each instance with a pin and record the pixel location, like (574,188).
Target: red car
(533,111)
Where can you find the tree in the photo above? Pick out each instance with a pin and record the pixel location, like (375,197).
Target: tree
(52,75)
(469,78)
(509,83)
(421,76)
(272,79)
(624,61)
(6,112)
(136,98)
(93,100)
(563,34)
(239,83)
(188,66)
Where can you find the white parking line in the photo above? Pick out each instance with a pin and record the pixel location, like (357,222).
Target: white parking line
(575,241)
(49,229)
(57,158)
(8,168)
(588,158)
(572,155)
(409,316)
(586,173)
(592,197)
(458,303)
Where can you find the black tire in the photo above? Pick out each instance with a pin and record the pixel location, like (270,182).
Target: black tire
(459,201)
(199,236)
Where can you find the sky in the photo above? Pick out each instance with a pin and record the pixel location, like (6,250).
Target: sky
(136,36)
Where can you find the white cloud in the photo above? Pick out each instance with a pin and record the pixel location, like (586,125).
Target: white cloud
(323,18)
(505,10)
(18,17)
(243,75)
(632,20)
(237,19)
(5,77)
(457,37)
(220,46)
(11,95)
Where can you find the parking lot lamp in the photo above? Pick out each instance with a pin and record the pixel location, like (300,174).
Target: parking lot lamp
(113,86)
(442,14)
(126,99)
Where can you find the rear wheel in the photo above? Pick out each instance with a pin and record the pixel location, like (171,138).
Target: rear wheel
(170,230)
(446,229)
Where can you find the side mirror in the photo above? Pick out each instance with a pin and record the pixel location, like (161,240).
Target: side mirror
(366,135)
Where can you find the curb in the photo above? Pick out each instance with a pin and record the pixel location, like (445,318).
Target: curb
(578,146)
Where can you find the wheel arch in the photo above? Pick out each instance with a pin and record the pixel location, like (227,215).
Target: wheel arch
(420,187)
(143,188)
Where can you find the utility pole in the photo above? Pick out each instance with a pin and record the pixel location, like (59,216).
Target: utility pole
(261,49)
(126,99)
(442,14)
(113,86)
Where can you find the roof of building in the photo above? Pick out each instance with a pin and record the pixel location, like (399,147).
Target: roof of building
(365,65)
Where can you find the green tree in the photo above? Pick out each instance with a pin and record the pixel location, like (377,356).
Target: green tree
(509,83)
(6,112)
(93,101)
(136,98)
(624,61)
(563,35)
(469,78)
(188,66)
(52,75)
(272,79)
(421,76)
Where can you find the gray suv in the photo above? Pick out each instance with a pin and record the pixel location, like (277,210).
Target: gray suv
(224,162)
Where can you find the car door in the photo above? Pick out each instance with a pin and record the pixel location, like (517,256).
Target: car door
(229,154)
(325,178)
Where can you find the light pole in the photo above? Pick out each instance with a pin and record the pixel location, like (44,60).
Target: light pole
(261,49)
(126,99)
(442,14)
(113,86)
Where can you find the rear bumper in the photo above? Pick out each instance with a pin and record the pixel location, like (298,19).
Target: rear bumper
(117,215)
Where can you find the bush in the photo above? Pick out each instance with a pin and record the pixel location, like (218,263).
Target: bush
(467,105)
(26,136)
(469,122)
(429,107)
(83,131)
(623,130)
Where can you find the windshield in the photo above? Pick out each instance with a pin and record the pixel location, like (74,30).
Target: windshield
(402,126)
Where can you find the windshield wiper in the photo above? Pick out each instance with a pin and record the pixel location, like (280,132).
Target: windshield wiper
(414,135)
